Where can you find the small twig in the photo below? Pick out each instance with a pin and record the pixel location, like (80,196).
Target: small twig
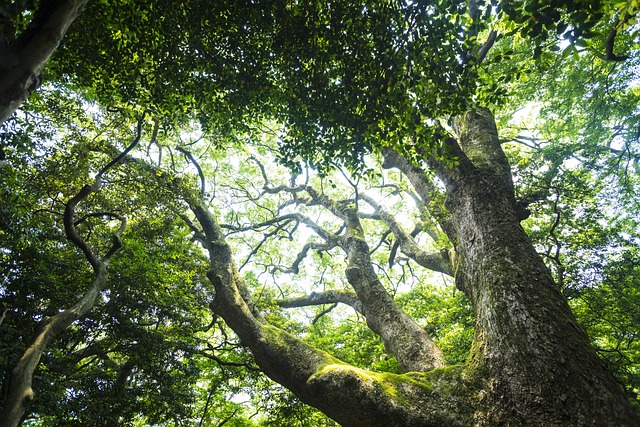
(323,312)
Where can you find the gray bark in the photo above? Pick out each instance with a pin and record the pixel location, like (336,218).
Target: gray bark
(351,396)
(402,337)
(531,364)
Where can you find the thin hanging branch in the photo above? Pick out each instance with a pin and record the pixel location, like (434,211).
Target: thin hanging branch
(197,165)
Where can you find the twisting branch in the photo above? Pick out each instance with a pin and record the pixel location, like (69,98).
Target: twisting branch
(122,155)
(19,391)
(295,267)
(438,261)
(323,312)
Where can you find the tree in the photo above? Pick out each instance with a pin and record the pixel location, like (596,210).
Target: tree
(408,83)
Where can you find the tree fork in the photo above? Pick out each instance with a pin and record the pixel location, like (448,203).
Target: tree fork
(349,395)
(19,391)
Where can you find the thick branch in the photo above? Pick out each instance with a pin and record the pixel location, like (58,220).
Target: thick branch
(21,62)
(349,395)
(403,338)
(488,44)
(423,185)
(609,43)
(327,297)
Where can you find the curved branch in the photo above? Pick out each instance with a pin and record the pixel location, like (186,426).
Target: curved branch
(19,391)
(609,43)
(122,155)
(295,267)
(197,165)
(316,377)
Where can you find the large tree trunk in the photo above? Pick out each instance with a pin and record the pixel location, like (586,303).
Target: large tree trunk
(531,364)
(22,61)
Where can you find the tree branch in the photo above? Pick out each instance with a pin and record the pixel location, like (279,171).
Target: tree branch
(428,192)
(197,165)
(317,378)
(327,297)
(609,43)
(3,312)
(19,391)
(488,44)
(22,61)
(438,261)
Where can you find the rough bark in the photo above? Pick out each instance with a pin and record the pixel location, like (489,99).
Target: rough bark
(402,336)
(327,297)
(531,362)
(22,61)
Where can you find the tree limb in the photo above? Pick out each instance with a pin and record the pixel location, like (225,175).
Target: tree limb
(197,165)
(22,61)
(3,312)
(19,391)
(609,43)
(327,297)
(438,261)
(314,376)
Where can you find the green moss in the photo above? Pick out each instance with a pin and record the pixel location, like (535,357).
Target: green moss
(446,381)
(295,348)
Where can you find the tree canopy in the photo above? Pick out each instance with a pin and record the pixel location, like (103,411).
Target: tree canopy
(303,213)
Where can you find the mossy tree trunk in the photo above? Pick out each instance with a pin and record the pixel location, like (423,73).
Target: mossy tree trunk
(531,364)
(533,360)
